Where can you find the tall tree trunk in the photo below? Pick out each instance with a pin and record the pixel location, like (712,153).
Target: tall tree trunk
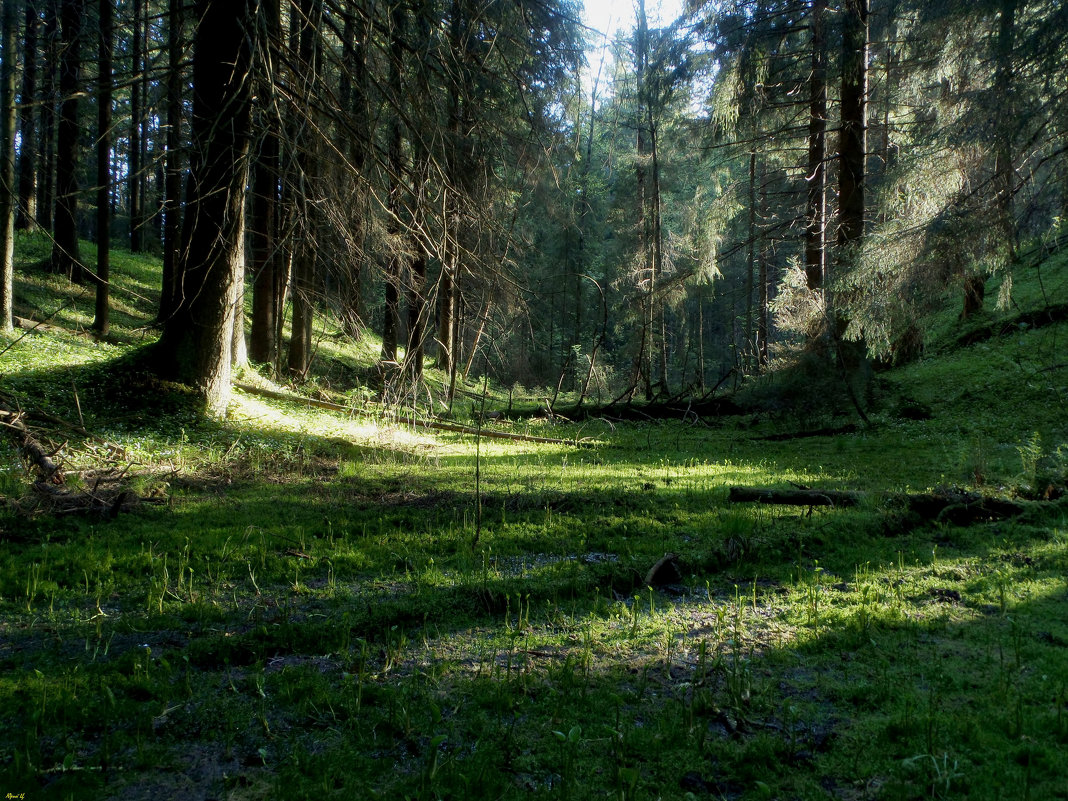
(137,59)
(750,275)
(196,341)
(106,34)
(853,142)
(9,36)
(701,338)
(762,278)
(852,151)
(353,94)
(815,252)
(46,176)
(263,343)
(450,266)
(238,343)
(27,207)
(172,194)
(65,257)
(266,263)
(655,208)
(645,347)
(397,259)
(309,14)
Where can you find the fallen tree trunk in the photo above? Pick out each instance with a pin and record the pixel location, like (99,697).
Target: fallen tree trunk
(459,429)
(793,497)
(48,472)
(950,506)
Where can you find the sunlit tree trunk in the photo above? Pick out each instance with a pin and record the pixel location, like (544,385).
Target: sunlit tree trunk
(309,16)
(137,101)
(9,38)
(817,137)
(852,355)
(65,258)
(265,264)
(195,346)
(101,322)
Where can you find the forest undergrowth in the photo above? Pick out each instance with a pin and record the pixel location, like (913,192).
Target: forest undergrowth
(305,603)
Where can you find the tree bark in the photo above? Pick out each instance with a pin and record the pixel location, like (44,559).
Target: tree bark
(9,36)
(307,21)
(852,152)
(172,194)
(817,137)
(102,322)
(65,258)
(353,93)
(762,280)
(27,207)
(195,346)
(750,277)
(397,170)
(265,255)
(137,60)
(46,175)
(853,144)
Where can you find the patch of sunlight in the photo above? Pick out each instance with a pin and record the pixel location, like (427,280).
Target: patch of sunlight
(259,412)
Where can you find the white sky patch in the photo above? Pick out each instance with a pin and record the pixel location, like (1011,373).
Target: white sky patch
(610,17)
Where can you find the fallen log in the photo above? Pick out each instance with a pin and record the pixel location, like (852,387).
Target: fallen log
(48,472)
(793,497)
(950,506)
(438,426)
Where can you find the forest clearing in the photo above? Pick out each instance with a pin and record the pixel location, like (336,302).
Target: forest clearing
(443,399)
(301,602)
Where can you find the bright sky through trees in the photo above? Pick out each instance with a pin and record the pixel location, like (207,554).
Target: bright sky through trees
(610,16)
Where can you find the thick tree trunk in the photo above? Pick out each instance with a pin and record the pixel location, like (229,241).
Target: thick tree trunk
(65,256)
(417,316)
(46,176)
(196,343)
(137,60)
(9,37)
(263,343)
(450,267)
(102,322)
(172,193)
(750,275)
(307,22)
(762,282)
(974,294)
(853,143)
(1005,97)
(353,93)
(852,152)
(815,252)
(27,208)
(398,261)
(238,343)
(266,261)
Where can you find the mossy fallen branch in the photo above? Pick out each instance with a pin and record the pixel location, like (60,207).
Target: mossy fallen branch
(48,472)
(950,505)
